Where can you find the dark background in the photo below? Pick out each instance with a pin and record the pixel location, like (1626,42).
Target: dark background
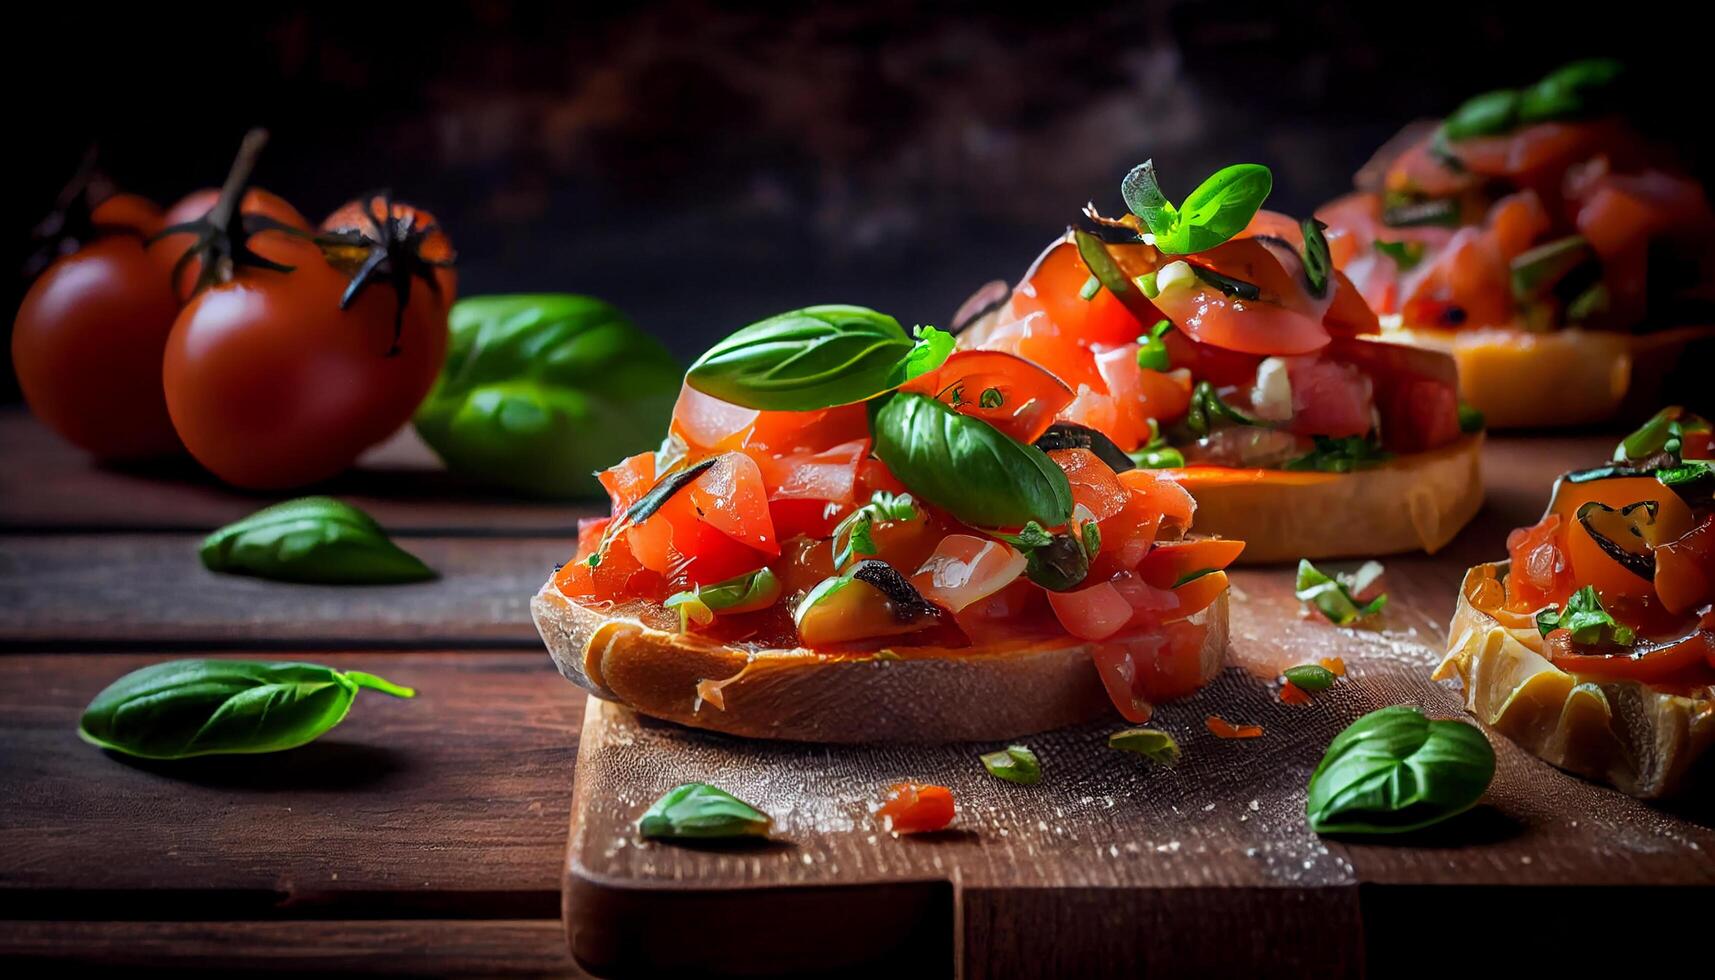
(703,166)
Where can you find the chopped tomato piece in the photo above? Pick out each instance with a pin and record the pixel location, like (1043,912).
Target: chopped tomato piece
(1139,395)
(1164,495)
(1686,660)
(628,480)
(916,808)
(590,530)
(1222,728)
(618,576)
(1161,663)
(1209,316)
(1094,484)
(1349,312)
(1039,340)
(1685,569)
(965,569)
(794,517)
(1221,367)
(1539,574)
(707,424)
(1419,415)
(1334,665)
(1170,562)
(1010,393)
(788,433)
(1093,613)
(731,498)
(1054,288)
(1291,693)
(828,475)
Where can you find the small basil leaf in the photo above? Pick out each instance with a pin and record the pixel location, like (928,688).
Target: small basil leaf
(1309,677)
(1405,255)
(698,811)
(184,708)
(967,467)
(539,391)
(1394,771)
(852,537)
(1015,764)
(1483,115)
(1650,438)
(1578,89)
(1218,209)
(1318,267)
(1143,198)
(1584,617)
(1032,535)
(815,358)
(311,539)
(1151,743)
(1332,597)
(743,593)
(1062,564)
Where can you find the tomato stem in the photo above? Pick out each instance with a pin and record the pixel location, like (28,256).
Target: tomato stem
(238,179)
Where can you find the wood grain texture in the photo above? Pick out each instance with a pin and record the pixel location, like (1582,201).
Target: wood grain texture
(49,485)
(127,590)
(520,948)
(449,805)
(1115,866)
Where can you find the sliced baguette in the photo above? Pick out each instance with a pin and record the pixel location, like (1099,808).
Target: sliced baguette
(1415,502)
(1637,738)
(927,694)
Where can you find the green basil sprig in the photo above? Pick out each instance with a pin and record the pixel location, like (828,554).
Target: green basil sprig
(1015,764)
(817,357)
(1585,618)
(967,467)
(1151,743)
(539,391)
(1217,210)
(1579,89)
(1341,455)
(698,811)
(1394,771)
(185,708)
(1333,596)
(312,539)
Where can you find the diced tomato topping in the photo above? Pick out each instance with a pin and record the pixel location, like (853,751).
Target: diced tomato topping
(731,498)
(788,433)
(628,479)
(916,808)
(590,530)
(1349,313)
(1054,286)
(1468,283)
(1540,573)
(1151,605)
(1163,495)
(1169,562)
(707,424)
(1419,415)
(1041,341)
(1685,569)
(1139,395)
(828,475)
(617,576)
(1330,398)
(1094,485)
(1209,316)
(1334,665)
(965,569)
(1222,728)
(1221,367)
(1014,395)
(1291,693)
(1689,660)
(1093,613)
(795,517)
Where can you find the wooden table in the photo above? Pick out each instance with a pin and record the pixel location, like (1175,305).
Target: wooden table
(429,836)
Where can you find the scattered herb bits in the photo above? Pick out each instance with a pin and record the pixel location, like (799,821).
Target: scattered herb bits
(1151,743)
(1015,764)
(185,708)
(1394,771)
(312,539)
(698,811)
(1335,597)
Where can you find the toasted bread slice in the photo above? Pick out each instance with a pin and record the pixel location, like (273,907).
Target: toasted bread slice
(909,694)
(1411,503)
(1640,739)
(1571,377)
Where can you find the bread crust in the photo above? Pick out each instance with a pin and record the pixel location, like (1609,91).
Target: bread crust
(1569,377)
(1639,739)
(1411,503)
(927,694)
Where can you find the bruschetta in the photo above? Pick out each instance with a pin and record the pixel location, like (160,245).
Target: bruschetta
(1593,646)
(849,536)
(1561,258)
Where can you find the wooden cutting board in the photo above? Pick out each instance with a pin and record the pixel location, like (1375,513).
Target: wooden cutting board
(1113,865)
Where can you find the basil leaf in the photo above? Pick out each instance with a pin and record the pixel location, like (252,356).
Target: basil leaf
(1063,563)
(1394,771)
(311,539)
(742,593)
(1483,115)
(1341,455)
(1015,764)
(1588,622)
(1318,266)
(1031,536)
(1151,743)
(1580,88)
(967,467)
(1406,255)
(815,358)
(855,528)
(184,708)
(1218,209)
(1207,408)
(1332,597)
(1690,472)
(1655,436)
(539,391)
(1152,350)
(1309,677)
(698,811)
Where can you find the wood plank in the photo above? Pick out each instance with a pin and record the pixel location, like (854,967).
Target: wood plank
(1086,873)
(48,484)
(150,590)
(518,948)
(451,805)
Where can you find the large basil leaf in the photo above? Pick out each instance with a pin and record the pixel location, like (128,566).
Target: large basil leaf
(966,466)
(817,357)
(185,708)
(540,391)
(1394,770)
(702,812)
(312,539)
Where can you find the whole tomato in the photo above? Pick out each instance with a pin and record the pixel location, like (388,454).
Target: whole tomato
(286,371)
(88,338)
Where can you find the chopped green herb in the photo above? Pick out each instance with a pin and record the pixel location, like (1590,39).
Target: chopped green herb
(1015,764)
(991,398)
(1317,264)
(857,527)
(1092,538)
(1309,677)
(1032,535)
(1408,212)
(1405,255)
(1333,597)
(1207,407)
(1152,349)
(1588,622)
(1340,455)
(1091,286)
(1151,743)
